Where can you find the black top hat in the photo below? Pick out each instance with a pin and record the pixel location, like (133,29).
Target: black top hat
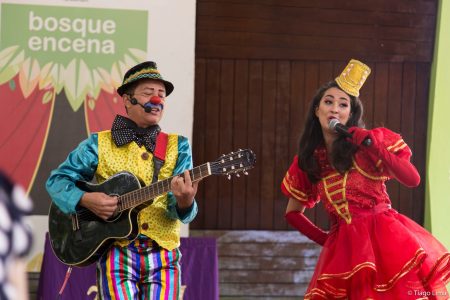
(145,70)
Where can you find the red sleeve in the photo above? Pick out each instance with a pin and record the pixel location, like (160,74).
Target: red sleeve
(296,185)
(389,140)
(394,143)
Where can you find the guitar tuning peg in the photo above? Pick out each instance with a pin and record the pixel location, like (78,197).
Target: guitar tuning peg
(229,177)
(245,173)
(237,175)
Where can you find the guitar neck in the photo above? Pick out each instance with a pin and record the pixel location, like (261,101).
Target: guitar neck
(145,194)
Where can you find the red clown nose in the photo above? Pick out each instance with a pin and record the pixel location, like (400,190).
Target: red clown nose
(155,100)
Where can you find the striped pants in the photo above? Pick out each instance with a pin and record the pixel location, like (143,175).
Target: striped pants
(141,270)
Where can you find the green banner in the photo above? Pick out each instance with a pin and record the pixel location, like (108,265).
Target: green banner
(76,49)
(99,37)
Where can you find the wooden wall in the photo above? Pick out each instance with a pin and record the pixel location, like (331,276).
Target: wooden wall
(258,63)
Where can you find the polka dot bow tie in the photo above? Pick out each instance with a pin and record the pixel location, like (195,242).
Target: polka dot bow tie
(125,131)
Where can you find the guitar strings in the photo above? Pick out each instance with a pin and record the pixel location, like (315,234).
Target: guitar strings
(224,163)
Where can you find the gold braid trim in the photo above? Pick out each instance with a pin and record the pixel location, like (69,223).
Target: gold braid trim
(342,293)
(414,262)
(435,270)
(341,204)
(299,195)
(317,293)
(400,144)
(347,275)
(364,173)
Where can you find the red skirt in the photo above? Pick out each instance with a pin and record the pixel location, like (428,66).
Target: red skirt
(381,255)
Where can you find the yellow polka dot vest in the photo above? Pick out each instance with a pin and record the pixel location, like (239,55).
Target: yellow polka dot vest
(153,221)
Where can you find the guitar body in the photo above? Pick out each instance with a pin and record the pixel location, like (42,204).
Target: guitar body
(80,239)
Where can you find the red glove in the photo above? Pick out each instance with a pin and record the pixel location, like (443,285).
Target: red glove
(400,168)
(300,222)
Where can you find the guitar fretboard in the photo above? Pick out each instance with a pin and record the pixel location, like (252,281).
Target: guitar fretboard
(140,196)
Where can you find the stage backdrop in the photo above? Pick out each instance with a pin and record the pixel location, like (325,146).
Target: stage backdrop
(60,64)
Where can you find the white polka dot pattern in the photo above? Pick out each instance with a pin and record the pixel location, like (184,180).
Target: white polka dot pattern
(15,235)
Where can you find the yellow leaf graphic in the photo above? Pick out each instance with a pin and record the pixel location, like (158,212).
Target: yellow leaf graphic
(45,78)
(97,82)
(107,83)
(29,76)
(138,54)
(57,74)
(116,75)
(10,62)
(78,82)
(48,97)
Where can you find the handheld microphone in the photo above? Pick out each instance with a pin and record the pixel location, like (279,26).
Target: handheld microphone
(155,102)
(343,130)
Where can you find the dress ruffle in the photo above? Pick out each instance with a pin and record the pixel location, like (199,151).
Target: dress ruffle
(362,260)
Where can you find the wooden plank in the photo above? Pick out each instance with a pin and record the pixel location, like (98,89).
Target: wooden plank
(262,289)
(269,276)
(420,139)
(281,140)
(296,111)
(357,13)
(381,81)
(240,134)
(302,27)
(407,129)
(273,248)
(198,141)
(266,263)
(253,203)
(268,141)
(212,139)
(280,41)
(246,51)
(225,134)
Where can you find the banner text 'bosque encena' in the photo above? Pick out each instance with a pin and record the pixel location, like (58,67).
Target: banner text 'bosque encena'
(79,26)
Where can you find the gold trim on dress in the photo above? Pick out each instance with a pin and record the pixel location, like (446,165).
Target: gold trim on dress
(365,174)
(299,195)
(418,258)
(434,270)
(414,262)
(400,144)
(340,204)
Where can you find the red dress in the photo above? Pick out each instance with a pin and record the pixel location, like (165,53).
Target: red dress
(372,251)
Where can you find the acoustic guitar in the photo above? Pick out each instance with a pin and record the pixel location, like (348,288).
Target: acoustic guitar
(81,238)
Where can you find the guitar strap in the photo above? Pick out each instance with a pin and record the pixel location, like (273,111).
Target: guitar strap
(159,154)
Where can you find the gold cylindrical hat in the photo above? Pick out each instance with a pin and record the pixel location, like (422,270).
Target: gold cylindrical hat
(353,77)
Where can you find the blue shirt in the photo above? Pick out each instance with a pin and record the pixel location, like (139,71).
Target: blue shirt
(82,163)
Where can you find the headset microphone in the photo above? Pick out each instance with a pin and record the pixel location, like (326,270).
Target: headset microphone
(154,103)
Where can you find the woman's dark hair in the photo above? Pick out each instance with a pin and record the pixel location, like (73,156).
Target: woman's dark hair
(312,137)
